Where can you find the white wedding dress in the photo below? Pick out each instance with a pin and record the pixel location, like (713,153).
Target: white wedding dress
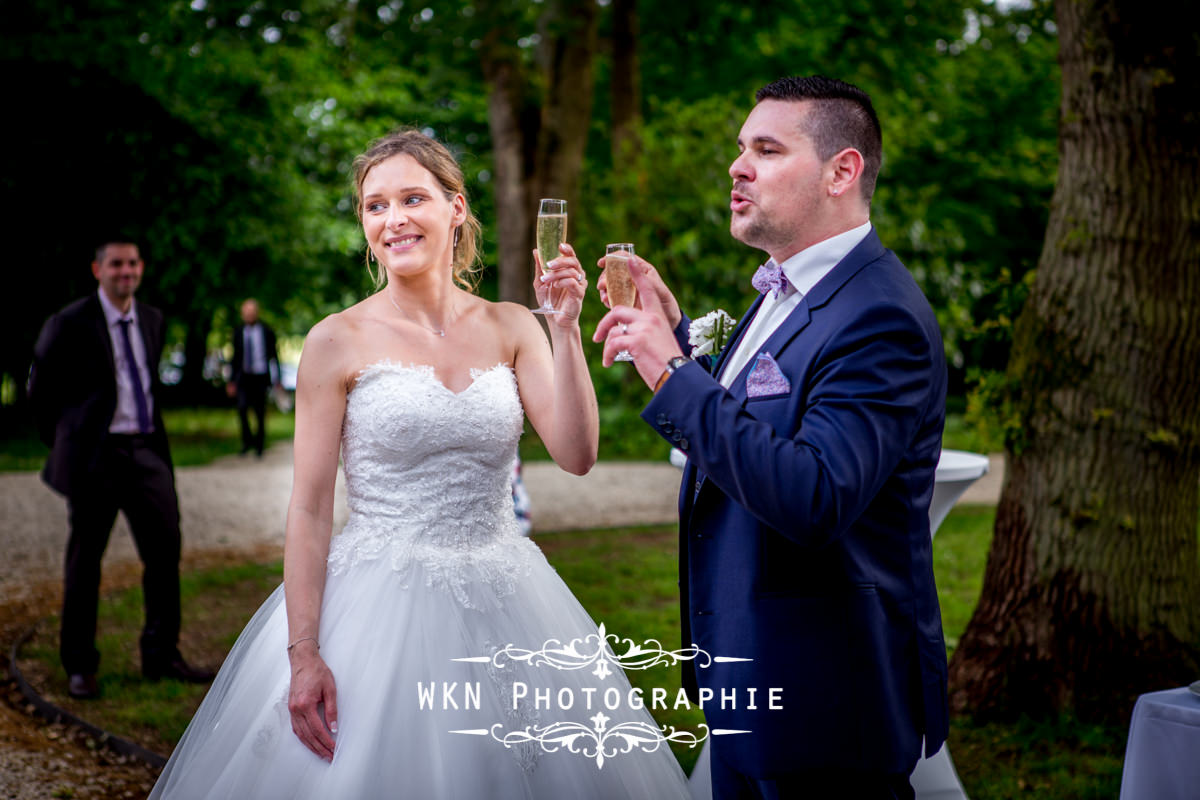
(431,567)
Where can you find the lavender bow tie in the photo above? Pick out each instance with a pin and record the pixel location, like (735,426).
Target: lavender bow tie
(770,278)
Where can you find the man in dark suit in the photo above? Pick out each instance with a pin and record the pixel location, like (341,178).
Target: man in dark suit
(812,441)
(94,387)
(255,370)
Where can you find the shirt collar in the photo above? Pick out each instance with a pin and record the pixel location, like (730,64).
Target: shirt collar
(806,268)
(113,315)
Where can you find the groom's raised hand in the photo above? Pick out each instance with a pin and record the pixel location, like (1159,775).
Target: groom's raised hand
(652,290)
(646,332)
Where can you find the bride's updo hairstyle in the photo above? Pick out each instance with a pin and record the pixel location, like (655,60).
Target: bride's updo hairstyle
(433,156)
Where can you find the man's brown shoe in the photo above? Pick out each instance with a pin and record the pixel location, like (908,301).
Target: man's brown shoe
(83,686)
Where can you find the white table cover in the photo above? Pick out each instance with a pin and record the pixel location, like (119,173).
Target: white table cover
(1162,758)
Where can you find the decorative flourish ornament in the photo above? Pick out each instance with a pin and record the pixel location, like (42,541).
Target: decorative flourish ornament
(595,650)
(598,742)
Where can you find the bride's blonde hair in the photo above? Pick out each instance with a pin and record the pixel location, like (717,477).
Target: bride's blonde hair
(433,156)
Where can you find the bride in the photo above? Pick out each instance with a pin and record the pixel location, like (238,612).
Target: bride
(366,674)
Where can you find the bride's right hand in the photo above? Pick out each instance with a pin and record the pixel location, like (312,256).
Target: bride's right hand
(312,695)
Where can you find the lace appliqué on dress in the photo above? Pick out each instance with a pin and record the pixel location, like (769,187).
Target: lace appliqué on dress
(267,737)
(520,717)
(427,478)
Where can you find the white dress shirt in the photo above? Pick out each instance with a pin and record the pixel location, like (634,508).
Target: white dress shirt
(125,419)
(254,350)
(803,270)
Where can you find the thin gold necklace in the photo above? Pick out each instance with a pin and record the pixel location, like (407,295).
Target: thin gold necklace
(439,331)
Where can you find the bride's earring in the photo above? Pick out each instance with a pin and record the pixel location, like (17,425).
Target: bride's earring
(370,255)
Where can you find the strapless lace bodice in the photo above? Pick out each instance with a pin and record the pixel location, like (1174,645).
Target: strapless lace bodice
(428,476)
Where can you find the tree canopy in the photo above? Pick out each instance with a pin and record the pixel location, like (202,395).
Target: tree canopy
(220,136)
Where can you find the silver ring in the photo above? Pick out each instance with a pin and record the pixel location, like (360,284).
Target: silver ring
(624,328)
(579,278)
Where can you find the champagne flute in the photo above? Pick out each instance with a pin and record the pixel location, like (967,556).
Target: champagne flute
(621,291)
(551,232)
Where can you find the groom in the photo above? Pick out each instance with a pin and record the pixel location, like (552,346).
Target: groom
(812,440)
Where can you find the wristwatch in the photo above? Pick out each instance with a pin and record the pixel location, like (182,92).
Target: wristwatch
(672,365)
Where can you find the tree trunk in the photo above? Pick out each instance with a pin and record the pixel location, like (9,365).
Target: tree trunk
(537,154)
(626,84)
(514,212)
(629,172)
(1092,589)
(567,53)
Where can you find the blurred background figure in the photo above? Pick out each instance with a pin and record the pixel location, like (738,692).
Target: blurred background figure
(521,504)
(96,393)
(255,371)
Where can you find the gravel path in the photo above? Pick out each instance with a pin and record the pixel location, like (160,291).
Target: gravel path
(236,508)
(240,504)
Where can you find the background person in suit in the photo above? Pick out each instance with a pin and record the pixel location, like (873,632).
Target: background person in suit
(812,444)
(255,371)
(95,389)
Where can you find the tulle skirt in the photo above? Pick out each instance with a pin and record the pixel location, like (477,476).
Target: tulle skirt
(415,721)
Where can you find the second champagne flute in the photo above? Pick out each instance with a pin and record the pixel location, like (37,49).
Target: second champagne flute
(621,291)
(551,232)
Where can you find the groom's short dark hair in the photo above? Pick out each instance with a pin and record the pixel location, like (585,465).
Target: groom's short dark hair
(841,116)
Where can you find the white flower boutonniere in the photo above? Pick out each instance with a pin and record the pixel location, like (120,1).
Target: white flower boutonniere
(708,334)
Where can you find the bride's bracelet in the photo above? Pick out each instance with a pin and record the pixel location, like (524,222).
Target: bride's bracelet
(302,639)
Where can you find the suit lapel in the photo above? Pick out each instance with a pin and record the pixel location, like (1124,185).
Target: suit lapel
(149,336)
(694,477)
(100,323)
(866,251)
(152,344)
(738,331)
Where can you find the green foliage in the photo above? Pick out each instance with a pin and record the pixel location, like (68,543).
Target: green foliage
(221,136)
(960,549)
(198,436)
(991,411)
(963,432)
(1061,758)
(970,163)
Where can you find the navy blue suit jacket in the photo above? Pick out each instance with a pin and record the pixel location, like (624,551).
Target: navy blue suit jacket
(804,529)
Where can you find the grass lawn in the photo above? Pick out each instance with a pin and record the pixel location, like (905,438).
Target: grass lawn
(201,435)
(626,579)
(1061,758)
(198,436)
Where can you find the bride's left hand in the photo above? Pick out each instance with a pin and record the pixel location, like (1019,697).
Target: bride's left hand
(566,284)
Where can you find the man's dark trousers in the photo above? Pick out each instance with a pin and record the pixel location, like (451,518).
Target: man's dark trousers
(135,479)
(252,396)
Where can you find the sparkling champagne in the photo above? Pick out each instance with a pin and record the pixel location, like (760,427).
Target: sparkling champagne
(621,291)
(551,232)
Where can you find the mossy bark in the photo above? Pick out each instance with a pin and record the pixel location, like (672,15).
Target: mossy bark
(1092,589)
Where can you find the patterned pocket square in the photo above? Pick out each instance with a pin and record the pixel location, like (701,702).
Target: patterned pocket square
(766,379)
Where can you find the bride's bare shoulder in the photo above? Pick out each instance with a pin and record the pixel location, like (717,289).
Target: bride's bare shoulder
(509,316)
(332,346)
